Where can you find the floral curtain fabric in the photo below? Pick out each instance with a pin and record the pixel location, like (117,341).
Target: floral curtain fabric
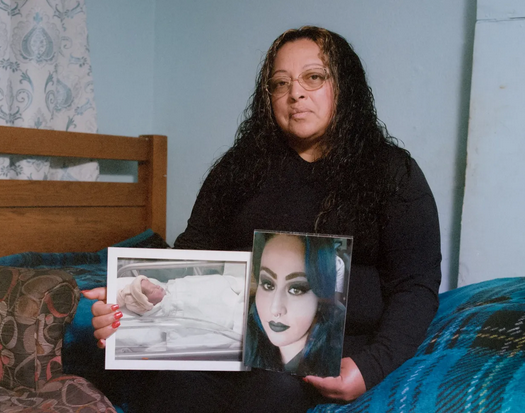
(46,80)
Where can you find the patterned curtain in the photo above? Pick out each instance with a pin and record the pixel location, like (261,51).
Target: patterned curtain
(45,80)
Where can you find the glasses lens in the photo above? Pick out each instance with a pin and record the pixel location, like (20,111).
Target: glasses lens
(313,79)
(279,85)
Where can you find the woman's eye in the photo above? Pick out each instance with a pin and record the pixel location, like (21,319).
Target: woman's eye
(316,76)
(267,285)
(280,83)
(299,289)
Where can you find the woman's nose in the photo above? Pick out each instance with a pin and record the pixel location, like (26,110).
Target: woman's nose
(296,90)
(278,305)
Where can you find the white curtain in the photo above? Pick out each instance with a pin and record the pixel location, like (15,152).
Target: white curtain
(45,80)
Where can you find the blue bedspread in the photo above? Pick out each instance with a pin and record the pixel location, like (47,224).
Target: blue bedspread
(473,359)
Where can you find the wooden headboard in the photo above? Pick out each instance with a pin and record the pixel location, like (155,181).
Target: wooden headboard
(60,216)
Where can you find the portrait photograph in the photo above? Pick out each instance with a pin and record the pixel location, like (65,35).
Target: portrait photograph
(181,309)
(297,302)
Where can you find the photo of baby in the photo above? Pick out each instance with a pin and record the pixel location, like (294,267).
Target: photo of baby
(178,310)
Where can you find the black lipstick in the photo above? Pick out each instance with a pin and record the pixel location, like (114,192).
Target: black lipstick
(278,327)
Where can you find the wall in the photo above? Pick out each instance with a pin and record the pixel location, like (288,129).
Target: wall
(493,221)
(121,38)
(417,55)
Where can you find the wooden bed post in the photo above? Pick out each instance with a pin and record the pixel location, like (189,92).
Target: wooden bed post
(154,173)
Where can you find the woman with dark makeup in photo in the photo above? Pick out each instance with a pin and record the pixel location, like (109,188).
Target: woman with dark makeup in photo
(295,323)
(311,156)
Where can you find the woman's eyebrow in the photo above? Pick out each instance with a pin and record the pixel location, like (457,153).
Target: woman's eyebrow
(269,272)
(295,275)
(305,67)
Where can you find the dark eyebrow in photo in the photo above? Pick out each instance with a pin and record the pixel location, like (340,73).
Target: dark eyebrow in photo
(270,272)
(288,277)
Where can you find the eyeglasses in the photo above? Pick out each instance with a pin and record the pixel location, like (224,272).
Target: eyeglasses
(311,79)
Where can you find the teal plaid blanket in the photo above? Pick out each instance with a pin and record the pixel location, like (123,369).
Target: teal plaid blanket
(473,359)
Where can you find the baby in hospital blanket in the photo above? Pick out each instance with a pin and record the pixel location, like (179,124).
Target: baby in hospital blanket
(214,298)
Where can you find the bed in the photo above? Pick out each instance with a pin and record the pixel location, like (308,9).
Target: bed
(62,216)
(67,226)
(472,360)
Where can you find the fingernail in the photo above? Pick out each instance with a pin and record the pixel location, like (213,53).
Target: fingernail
(118,315)
(101,343)
(305,379)
(115,324)
(114,307)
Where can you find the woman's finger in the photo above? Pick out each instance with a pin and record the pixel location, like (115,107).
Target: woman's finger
(348,386)
(98,293)
(104,314)
(104,332)
(101,308)
(327,386)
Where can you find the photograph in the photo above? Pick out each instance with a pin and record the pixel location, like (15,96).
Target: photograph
(297,302)
(181,309)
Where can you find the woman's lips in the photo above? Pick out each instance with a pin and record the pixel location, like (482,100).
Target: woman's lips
(299,114)
(278,327)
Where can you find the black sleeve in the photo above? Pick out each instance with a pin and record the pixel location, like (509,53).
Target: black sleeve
(410,275)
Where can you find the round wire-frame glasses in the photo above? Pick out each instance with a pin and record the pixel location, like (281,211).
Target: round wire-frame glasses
(310,80)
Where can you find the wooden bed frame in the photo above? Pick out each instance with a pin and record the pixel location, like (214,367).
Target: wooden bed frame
(60,216)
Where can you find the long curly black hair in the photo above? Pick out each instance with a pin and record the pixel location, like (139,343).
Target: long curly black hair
(356,156)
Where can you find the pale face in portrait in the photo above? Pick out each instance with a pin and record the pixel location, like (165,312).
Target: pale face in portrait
(303,115)
(155,293)
(284,299)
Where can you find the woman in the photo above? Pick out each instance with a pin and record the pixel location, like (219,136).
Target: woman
(311,156)
(295,324)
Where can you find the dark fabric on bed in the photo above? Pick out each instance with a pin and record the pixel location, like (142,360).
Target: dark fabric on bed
(63,394)
(473,358)
(35,306)
(80,356)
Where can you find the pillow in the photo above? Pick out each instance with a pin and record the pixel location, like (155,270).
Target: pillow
(67,169)
(26,168)
(35,305)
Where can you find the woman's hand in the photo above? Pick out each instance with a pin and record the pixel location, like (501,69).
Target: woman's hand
(348,386)
(105,316)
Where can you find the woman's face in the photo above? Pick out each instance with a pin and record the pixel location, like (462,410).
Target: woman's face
(303,115)
(155,293)
(285,302)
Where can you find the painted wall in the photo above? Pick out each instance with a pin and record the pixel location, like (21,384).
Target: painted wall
(205,59)
(493,226)
(122,40)
(122,46)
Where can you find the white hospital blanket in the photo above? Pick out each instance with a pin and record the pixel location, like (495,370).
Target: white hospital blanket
(210,311)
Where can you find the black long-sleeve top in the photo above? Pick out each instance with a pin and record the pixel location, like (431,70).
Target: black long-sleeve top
(393,293)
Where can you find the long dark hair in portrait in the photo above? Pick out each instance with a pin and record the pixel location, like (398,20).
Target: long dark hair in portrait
(323,349)
(357,149)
